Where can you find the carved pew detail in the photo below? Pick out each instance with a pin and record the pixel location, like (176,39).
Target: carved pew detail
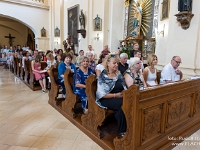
(27,71)
(71,99)
(155,114)
(54,91)
(19,65)
(96,115)
(15,66)
(22,72)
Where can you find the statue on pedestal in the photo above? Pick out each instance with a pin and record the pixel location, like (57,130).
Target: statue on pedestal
(82,20)
(185,15)
(184,5)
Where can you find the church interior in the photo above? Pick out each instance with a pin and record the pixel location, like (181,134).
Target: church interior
(46,112)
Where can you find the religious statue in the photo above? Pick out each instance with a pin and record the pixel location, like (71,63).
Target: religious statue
(127,2)
(137,20)
(82,20)
(184,5)
(185,15)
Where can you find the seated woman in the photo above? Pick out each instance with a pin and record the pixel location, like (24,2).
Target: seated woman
(39,75)
(79,81)
(81,53)
(108,95)
(73,56)
(66,64)
(102,62)
(58,60)
(150,72)
(133,74)
(50,61)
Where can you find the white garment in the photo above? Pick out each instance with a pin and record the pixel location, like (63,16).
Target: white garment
(23,59)
(100,67)
(49,63)
(169,73)
(90,52)
(151,77)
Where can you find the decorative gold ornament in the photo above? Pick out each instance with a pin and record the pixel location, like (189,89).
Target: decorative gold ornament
(127,3)
(146,16)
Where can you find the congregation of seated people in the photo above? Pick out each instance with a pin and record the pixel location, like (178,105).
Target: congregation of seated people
(113,72)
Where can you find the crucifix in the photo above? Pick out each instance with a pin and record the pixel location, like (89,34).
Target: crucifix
(10,39)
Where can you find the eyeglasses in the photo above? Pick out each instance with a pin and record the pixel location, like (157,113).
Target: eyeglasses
(177,61)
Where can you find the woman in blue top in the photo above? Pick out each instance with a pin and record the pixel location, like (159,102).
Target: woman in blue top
(79,80)
(66,64)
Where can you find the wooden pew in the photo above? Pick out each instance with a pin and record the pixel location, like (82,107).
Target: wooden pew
(15,65)
(160,116)
(27,72)
(96,115)
(71,99)
(54,91)
(22,72)
(19,65)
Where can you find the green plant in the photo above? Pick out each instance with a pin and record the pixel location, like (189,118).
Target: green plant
(126,49)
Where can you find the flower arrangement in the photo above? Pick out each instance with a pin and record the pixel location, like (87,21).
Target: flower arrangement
(126,48)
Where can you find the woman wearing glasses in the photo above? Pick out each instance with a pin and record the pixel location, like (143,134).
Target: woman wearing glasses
(133,74)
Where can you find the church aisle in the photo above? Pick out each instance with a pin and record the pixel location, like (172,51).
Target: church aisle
(28,122)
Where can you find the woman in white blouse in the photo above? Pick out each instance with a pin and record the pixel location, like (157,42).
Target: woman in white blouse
(102,62)
(150,72)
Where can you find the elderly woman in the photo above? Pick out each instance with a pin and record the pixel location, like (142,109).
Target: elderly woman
(133,75)
(150,71)
(108,95)
(79,81)
(66,64)
(122,65)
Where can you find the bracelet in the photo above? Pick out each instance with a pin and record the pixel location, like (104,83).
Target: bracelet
(114,95)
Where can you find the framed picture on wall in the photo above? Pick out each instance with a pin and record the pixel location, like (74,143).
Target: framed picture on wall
(97,23)
(57,32)
(73,23)
(43,32)
(165,10)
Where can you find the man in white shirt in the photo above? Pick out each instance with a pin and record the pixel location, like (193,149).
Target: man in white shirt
(90,50)
(170,72)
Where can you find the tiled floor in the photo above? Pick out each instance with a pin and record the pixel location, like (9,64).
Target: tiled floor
(28,122)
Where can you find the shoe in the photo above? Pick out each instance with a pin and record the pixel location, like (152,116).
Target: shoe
(43,90)
(64,95)
(85,110)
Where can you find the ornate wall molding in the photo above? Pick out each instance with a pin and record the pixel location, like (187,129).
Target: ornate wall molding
(29,3)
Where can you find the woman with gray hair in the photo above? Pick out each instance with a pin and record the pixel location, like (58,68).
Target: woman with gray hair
(82,73)
(133,74)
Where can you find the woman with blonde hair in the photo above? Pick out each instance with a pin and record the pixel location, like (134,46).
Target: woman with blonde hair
(150,71)
(109,92)
(50,61)
(133,74)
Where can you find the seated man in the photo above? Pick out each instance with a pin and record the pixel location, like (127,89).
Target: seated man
(170,72)
(92,63)
(122,65)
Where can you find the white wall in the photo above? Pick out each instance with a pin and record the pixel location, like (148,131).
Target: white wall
(32,17)
(16,29)
(176,41)
(112,23)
